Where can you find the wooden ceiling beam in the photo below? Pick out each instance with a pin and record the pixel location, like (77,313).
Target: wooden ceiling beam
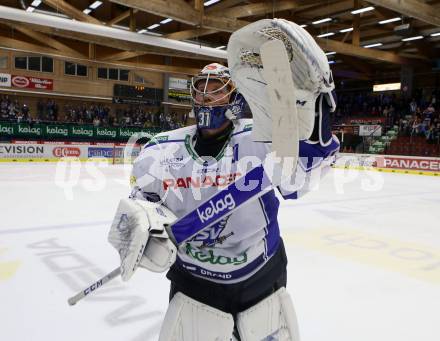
(117,44)
(132,21)
(356,35)
(122,55)
(22,45)
(325,9)
(423,47)
(120,17)
(413,9)
(357,64)
(188,34)
(222,5)
(39,50)
(92,51)
(69,10)
(357,51)
(329,45)
(200,8)
(222,24)
(162,68)
(181,11)
(46,40)
(423,59)
(254,9)
(198,32)
(260,8)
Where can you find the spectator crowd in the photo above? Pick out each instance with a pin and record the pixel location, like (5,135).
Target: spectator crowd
(139,117)
(48,111)
(12,110)
(96,114)
(367,105)
(413,117)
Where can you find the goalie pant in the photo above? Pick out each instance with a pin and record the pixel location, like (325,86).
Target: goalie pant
(235,248)
(233,298)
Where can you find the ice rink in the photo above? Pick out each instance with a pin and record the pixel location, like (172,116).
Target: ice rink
(364,257)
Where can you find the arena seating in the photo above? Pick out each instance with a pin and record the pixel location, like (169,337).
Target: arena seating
(413,145)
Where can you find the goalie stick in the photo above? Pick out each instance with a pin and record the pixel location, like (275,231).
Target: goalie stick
(107,278)
(285,143)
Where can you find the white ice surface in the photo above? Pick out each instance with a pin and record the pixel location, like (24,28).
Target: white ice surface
(363,265)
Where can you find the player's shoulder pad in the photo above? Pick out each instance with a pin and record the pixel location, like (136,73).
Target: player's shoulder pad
(176,135)
(242,126)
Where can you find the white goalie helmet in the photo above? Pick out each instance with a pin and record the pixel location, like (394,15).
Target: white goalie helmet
(215,99)
(213,72)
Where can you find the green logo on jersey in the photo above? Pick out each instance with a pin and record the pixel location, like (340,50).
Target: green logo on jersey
(210,257)
(161,138)
(157,139)
(247,127)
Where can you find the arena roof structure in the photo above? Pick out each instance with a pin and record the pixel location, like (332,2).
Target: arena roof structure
(363,39)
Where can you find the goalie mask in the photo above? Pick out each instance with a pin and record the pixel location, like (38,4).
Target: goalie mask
(215,99)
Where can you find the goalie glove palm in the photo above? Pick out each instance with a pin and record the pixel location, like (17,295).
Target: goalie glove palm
(308,64)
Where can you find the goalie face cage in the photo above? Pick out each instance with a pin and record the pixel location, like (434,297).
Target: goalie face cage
(220,95)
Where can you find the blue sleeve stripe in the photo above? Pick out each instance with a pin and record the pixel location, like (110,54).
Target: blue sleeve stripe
(265,228)
(293,195)
(271,205)
(240,132)
(287,195)
(166,141)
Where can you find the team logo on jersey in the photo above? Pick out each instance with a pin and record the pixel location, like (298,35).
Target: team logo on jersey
(207,170)
(216,207)
(200,181)
(173,162)
(212,235)
(210,257)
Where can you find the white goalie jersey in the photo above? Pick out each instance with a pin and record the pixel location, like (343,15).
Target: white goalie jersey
(169,170)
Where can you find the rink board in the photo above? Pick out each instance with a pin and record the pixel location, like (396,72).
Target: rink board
(389,163)
(34,151)
(54,152)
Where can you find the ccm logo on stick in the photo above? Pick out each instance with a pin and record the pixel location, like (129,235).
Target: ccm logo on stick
(93,287)
(226,203)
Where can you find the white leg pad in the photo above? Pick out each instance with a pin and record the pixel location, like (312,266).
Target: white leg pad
(272,319)
(189,320)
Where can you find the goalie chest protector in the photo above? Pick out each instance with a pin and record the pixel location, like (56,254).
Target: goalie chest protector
(237,246)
